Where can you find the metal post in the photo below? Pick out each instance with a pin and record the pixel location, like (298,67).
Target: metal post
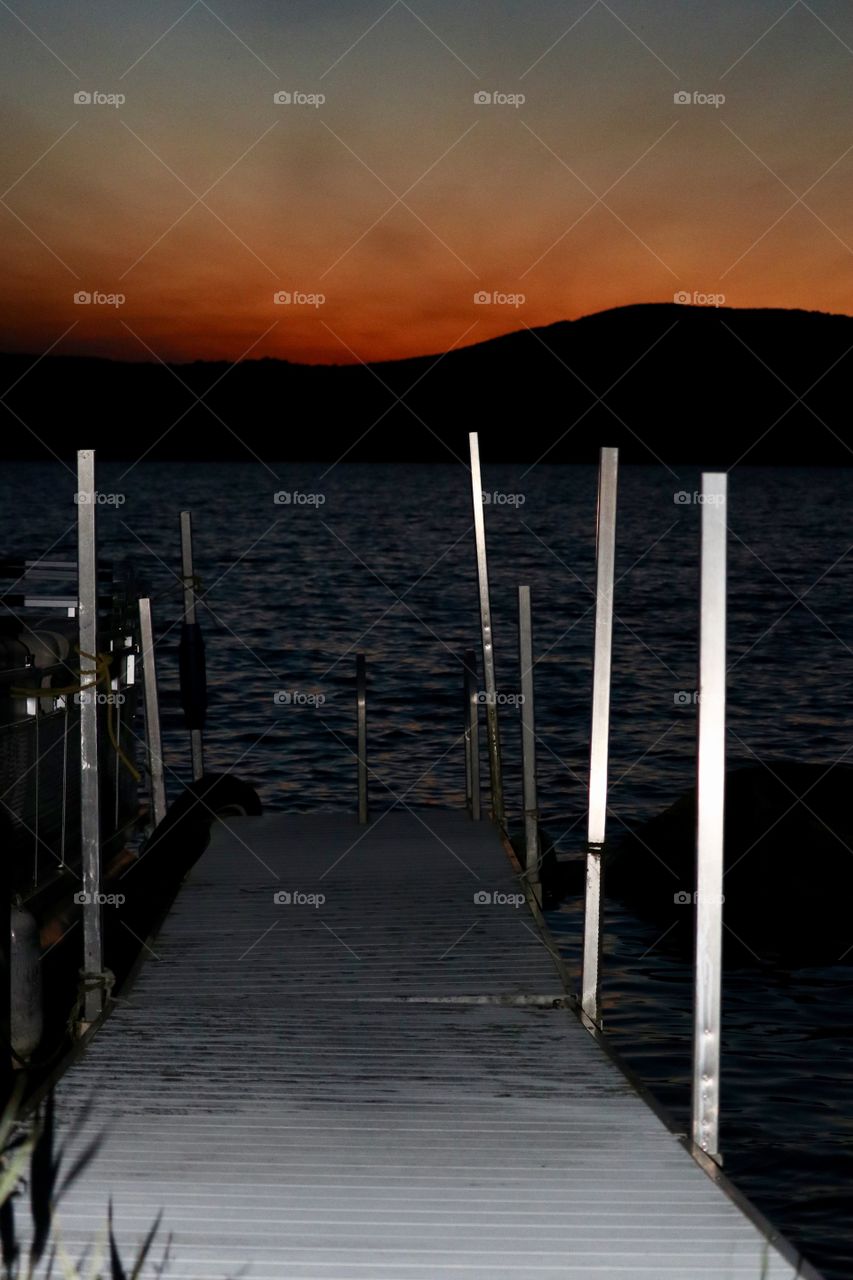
(605,547)
(124,658)
(116,686)
(152,713)
(710,792)
(466,702)
(472,737)
(490,688)
(196,740)
(6,1070)
(528,743)
(90,814)
(361,712)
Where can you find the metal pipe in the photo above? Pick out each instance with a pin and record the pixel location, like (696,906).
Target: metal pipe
(26,999)
(490,688)
(361,714)
(466,700)
(36,799)
(196,738)
(64,819)
(6,1071)
(90,813)
(710,805)
(528,743)
(472,736)
(605,552)
(187,566)
(153,743)
(117,686)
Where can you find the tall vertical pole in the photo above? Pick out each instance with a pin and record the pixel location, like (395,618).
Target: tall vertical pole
(152,713)
(710,808)
(6,1071)
(472,736)
(605,544)
(361,716)
(196,739)
(466,702)
(90,813)
(528,743)
(490,688)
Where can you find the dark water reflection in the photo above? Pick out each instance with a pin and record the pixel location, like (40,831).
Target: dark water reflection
(385,564)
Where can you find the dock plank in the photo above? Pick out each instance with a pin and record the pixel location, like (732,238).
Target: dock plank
(355,1087)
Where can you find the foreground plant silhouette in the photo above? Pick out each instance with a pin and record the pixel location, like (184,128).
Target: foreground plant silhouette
(30,1144)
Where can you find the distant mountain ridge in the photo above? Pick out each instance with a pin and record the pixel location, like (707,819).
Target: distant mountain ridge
(664,382)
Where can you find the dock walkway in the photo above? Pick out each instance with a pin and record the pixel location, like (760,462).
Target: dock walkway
(382,1085)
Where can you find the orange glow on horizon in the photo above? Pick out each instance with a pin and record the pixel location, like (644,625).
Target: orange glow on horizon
(401,196)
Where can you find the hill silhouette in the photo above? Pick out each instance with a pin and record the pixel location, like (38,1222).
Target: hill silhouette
(662,381)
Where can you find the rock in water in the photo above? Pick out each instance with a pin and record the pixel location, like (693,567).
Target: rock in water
(788,883)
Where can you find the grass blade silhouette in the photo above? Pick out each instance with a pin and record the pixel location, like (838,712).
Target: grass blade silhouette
(117,1271)
(146,1247)
(43,1173)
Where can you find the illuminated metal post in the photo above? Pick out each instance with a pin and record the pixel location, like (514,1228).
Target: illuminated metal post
(528,743)
(7,1073)
(490,688)
(90,813)
(466,696)
(600,731)
(152,713)
(710,807)
(196,739)
(472,737)
(361,712)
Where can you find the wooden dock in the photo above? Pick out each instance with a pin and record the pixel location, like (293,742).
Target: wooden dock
(382,1085)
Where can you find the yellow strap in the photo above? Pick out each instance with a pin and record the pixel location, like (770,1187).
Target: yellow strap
(102,676)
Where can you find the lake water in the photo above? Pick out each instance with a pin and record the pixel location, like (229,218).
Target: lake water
(384,563)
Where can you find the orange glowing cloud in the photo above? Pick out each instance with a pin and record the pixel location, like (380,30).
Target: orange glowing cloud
(398,200)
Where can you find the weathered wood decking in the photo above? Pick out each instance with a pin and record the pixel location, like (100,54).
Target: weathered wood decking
(337,1092)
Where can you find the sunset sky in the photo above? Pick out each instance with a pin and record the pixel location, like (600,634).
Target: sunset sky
(400,197)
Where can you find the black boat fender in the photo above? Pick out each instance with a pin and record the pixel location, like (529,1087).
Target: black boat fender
(185,831)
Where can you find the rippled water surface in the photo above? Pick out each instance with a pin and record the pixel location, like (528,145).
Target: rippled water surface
(385,564)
